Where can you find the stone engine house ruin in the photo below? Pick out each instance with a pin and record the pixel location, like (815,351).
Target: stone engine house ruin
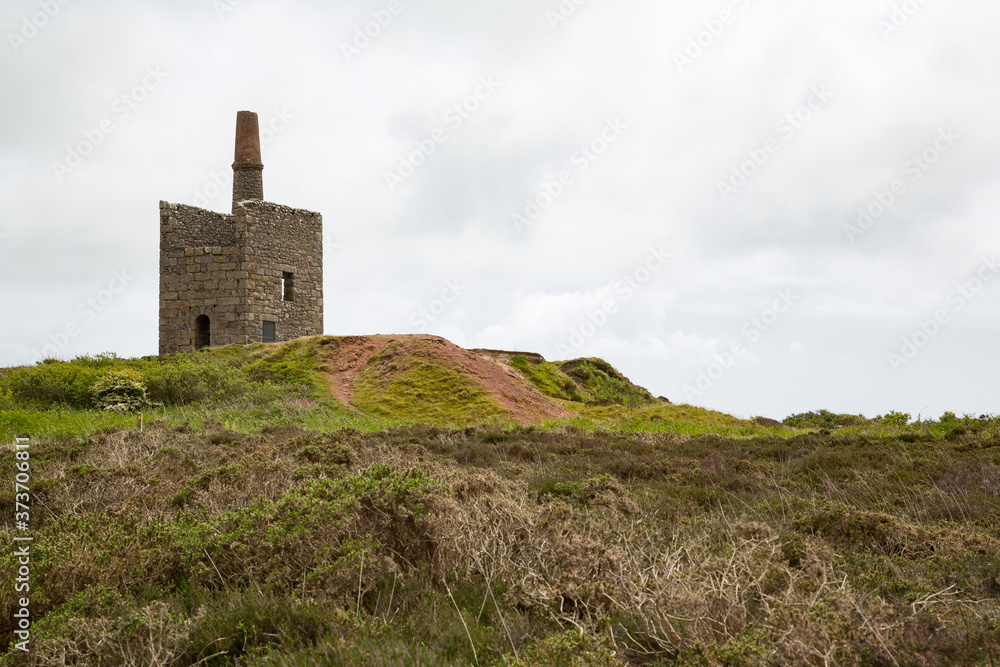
(250,276)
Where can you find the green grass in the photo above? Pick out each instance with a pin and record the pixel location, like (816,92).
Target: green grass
(549,379)
(582,381)
(248,387)
(420,389)
(662,417)
(322,413)
(602,383)
(58,423)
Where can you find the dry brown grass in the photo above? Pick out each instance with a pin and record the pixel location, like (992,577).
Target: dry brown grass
(658,548)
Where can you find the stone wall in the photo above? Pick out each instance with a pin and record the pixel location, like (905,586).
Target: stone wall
(230,267)
(202,272)
(283,240)
(183,226)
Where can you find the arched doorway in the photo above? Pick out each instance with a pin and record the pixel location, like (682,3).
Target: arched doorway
(202,332)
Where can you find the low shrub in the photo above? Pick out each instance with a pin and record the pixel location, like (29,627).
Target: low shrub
(120,391)
(52,384)
(823,419)
(194,378)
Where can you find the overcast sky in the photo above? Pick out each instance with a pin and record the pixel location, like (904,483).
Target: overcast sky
(758,206)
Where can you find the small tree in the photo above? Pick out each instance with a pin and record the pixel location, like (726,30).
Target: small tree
(120,391)
(895,418)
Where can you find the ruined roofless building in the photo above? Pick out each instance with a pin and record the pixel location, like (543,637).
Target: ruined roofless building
(255,275)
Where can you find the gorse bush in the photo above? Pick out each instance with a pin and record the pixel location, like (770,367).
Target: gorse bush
(196,378)
(120,391)
(55,384)
(823,419)
(894,418)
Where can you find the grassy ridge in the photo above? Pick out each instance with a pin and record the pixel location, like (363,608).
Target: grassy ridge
(248,387)
(581,381)
(601,383)
(549,378)
(258,521)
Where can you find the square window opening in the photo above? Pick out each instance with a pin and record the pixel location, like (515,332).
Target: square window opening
(287,286)
(267,333)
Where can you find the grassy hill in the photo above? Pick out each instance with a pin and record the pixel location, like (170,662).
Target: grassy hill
(589,381)
(397,500)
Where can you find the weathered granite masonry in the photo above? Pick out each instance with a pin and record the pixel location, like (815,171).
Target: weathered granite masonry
(261,264)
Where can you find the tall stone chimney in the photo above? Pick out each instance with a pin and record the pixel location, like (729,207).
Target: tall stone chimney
(248,181)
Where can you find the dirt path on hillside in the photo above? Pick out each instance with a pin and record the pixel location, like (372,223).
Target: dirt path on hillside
(345,357)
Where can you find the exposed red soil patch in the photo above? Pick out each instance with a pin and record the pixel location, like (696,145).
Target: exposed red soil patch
(346,356)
